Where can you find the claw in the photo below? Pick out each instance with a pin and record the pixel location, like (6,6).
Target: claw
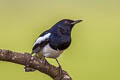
(60,70)
(45,61)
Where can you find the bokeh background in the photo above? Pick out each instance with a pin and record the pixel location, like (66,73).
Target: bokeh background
(95,50)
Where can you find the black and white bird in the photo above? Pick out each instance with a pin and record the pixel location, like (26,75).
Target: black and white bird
(54,41)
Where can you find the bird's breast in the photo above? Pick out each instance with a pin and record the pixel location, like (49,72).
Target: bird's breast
(60,42)
(49,52)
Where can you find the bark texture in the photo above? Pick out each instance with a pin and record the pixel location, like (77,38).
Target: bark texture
(33,62)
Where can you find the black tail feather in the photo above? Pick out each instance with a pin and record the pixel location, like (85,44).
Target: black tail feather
(28,69)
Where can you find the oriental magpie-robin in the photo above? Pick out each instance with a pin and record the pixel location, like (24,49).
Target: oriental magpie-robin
(54,41)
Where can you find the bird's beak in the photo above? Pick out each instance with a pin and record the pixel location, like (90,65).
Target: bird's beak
(76,21)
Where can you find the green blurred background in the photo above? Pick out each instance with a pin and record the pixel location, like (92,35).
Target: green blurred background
(95,50)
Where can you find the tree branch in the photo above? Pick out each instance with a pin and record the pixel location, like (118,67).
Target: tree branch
(33,62)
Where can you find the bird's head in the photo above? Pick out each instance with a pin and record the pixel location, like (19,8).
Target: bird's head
(64,26)
(67,23)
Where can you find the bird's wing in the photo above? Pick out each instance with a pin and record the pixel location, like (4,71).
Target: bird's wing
(41,42)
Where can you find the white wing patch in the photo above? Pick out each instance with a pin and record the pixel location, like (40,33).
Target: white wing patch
(42,38)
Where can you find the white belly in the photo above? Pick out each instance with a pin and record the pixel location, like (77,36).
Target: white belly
(47,51)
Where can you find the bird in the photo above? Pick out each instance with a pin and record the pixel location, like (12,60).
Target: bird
(54,41)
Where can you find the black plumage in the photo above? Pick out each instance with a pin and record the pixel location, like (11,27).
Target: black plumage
(54,41)
(37,47)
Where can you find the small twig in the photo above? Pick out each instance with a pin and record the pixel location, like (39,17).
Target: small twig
(33,62)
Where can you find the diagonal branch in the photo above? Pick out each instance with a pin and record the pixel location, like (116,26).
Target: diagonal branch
(33,62)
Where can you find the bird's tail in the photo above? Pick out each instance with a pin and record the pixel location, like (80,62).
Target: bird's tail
(28,69)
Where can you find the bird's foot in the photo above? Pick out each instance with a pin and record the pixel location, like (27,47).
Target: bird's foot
(45,61)
(60,70)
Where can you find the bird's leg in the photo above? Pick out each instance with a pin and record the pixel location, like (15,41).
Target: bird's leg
(60,68)
(43,59)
